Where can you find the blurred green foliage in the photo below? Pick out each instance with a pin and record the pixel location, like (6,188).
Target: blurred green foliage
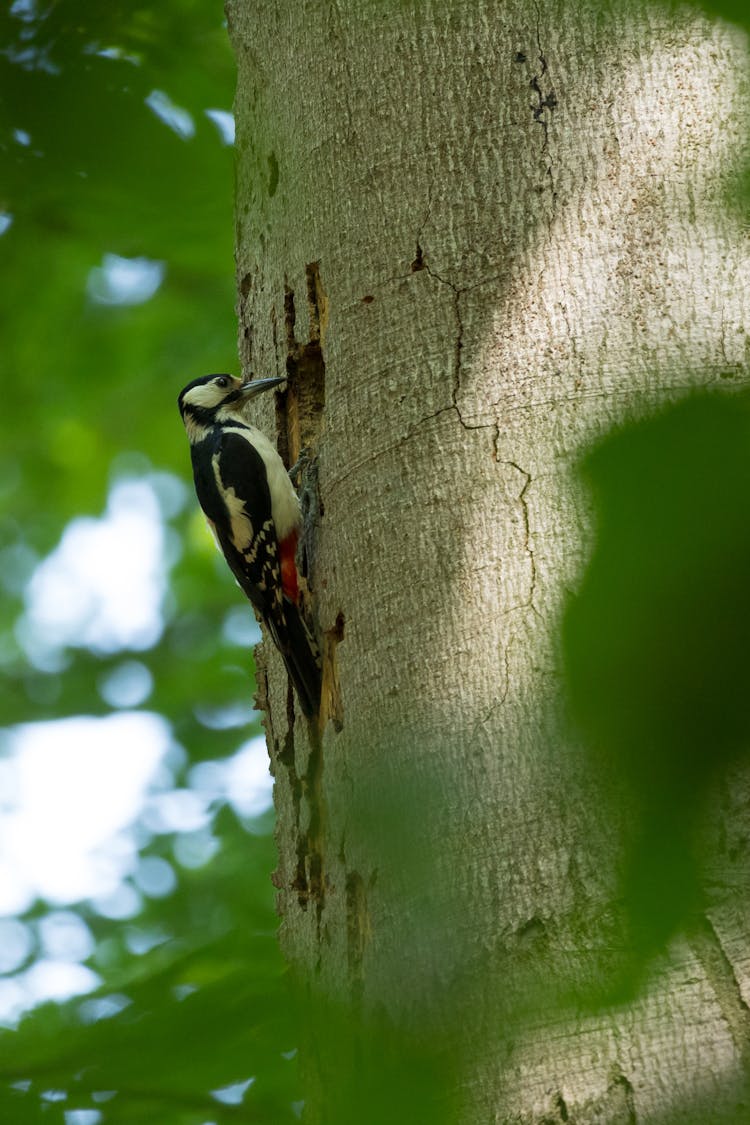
(193,998)
(655,643)
(372,1072)
(735,11)
(88,169)
(203,1011)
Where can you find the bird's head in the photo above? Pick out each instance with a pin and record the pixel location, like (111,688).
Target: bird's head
(217,398)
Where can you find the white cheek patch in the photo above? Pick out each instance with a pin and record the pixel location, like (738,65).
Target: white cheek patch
(207,395)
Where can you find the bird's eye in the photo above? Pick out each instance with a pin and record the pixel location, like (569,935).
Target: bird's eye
(222,381)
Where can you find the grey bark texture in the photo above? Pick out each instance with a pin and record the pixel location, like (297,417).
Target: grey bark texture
(476,235)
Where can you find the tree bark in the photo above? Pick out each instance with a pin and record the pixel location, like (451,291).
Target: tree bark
(476,235)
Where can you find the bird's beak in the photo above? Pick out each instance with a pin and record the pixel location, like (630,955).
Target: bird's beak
(249,390)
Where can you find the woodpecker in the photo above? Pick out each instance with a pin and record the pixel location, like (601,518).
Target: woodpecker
(251,507)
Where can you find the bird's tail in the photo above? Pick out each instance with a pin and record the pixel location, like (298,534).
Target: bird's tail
(302,658)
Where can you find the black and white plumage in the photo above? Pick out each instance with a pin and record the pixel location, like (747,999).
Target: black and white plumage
(251,507)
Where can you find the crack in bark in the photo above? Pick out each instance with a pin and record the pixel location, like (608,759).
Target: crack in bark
(545,102)
(310,879)
(299,412)
(304,400)
(331,703)
(719,970)
(561,1106)
(496,443)
(413,432)
(622,1083)
(457,366)
(458,360)
(529,603)
(300,408)
(487,718)
(357,918)
(418,263)
(617,1103)
(423,265)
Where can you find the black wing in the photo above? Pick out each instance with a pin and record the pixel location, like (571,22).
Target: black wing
(230,481)
(232,490)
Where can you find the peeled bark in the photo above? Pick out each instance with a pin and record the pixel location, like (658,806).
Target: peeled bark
(476,235)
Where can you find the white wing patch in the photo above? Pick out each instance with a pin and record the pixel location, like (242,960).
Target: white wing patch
(268,578)
(266,538)
(239,521)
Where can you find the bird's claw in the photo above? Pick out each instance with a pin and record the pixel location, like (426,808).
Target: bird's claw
(302,462)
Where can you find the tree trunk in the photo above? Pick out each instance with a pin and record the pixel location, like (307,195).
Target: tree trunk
(476,235)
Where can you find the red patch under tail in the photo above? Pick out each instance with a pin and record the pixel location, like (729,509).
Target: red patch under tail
(287,553)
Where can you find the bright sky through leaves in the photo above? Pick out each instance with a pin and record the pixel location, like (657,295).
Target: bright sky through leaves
(133,780)
(76,789)
(104,584)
